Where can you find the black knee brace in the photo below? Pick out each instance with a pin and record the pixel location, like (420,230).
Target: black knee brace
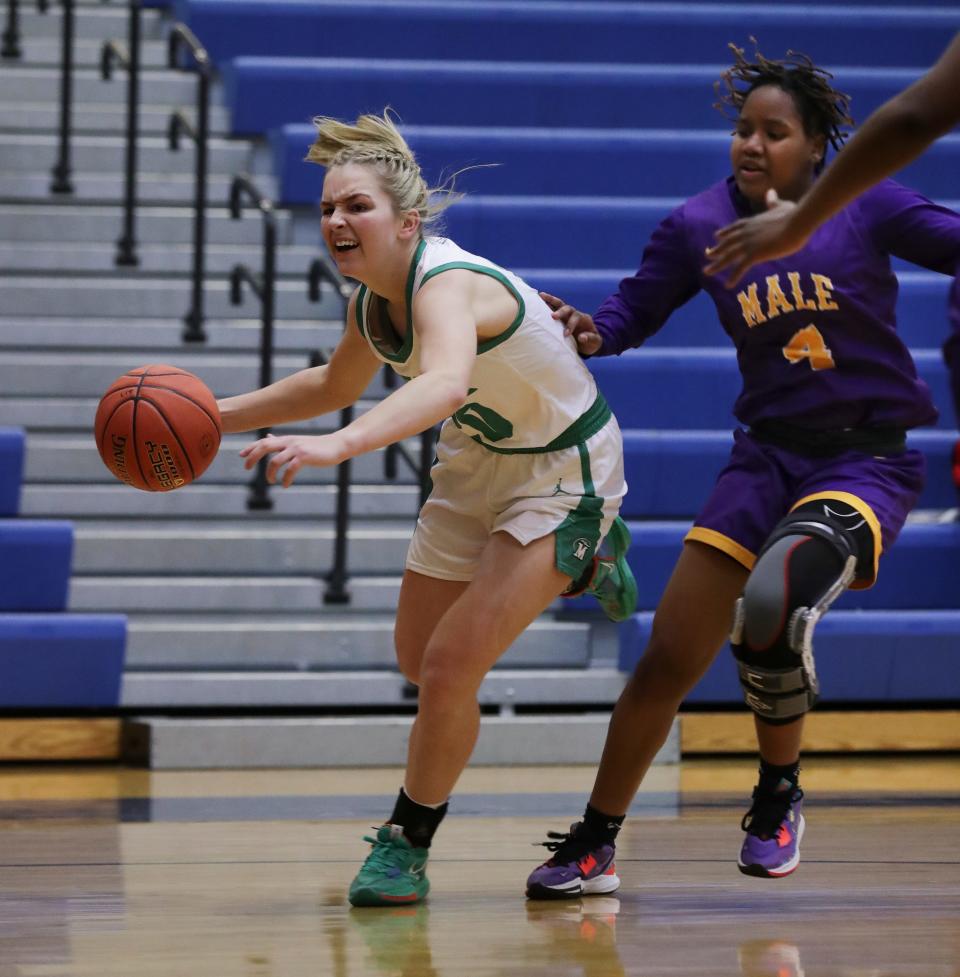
(808,561)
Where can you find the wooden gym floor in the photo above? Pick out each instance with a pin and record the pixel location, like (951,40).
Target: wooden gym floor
(108,872)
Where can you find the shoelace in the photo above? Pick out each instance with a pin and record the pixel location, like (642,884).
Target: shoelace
(768,811)
(383,855)
(566,846)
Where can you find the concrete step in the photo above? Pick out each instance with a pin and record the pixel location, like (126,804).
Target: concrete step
(331,641)
(169,744)
(133,296)
(503,687)
(251,546)
(191,595)
(29,334)
(90,22)
(64,416)
(97,224)
(73,460)
(160,87)
(76,500)
(160,259)
(89,374)
(101,119)
(152,189)
(105,154)
(45,52)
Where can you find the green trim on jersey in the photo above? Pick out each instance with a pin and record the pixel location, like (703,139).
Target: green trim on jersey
(578,536)
(583,428)
(487,344)
(402,353)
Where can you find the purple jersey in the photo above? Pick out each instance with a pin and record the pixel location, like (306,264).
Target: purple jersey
(815,332)
(951,348)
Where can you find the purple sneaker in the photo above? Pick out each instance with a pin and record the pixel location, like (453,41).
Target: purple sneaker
(774,827)
(579,866)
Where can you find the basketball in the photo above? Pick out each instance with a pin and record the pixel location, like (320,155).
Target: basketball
(157,428)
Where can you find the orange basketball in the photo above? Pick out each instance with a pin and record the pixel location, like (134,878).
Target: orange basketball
(157,428)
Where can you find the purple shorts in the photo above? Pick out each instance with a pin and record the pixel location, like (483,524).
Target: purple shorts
(762,483)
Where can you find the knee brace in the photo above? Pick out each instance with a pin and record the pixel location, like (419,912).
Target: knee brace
(805,565)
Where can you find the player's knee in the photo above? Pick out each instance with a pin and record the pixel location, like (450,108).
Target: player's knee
(409,657)
(808,561)
(669,665)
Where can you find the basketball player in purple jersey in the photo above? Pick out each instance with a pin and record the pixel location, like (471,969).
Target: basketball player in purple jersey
(896,133)
(820,479)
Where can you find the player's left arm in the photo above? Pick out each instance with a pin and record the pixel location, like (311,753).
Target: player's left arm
(446,333)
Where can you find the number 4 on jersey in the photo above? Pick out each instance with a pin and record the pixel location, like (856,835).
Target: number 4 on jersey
(808,344)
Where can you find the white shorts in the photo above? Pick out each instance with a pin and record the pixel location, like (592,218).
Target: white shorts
(574,493)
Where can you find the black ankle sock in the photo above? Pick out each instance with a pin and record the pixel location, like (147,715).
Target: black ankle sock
(771,776)
(604,827)
(419,822)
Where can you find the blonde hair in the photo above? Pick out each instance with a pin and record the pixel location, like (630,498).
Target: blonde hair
(374,140)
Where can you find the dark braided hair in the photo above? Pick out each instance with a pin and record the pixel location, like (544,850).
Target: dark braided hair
(823,110)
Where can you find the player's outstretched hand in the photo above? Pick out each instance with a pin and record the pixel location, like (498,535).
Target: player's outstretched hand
(291,452)
(575,323)
(750,240)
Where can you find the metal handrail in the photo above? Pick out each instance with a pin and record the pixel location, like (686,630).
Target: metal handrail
(62,169)
(420,467)
(321,271)
(263,285)
(181,37)
(112,53)
(10,44)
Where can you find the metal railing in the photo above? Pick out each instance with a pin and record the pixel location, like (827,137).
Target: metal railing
(183,41)
(10,42)
(113,52)
(263,285)
(420,467)
(320,271)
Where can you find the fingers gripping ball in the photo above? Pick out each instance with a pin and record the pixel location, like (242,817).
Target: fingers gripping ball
(157,428)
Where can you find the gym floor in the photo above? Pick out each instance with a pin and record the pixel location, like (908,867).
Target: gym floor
(113,872)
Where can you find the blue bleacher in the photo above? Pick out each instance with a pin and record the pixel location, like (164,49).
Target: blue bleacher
(675,388)
(671,473)
(48,658)
(601,118)
(862,657)
(611,33)
(35,559)
(265,93)
(70,661)
(573,161)
(918,573)
(12,446)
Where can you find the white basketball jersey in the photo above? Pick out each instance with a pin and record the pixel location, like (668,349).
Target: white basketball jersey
(529,390)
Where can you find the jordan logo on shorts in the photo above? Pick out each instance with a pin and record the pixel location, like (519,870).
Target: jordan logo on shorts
(581,548)
(560,491)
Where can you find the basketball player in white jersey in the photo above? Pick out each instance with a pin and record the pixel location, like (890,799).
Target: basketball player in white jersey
(529,473)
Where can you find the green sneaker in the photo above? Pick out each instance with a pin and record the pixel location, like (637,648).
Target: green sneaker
(613,583)
(394,872)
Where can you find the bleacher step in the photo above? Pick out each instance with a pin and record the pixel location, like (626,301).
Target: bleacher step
(161,87)
(215,502)
(505,687)
(166,259)
(333,641)
(73,459)
(241,546)
(169,744)
(184,594)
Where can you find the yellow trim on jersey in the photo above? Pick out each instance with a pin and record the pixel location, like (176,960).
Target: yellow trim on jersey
(723,543)
(870,519)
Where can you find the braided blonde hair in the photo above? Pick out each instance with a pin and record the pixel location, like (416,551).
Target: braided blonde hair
(375,140)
